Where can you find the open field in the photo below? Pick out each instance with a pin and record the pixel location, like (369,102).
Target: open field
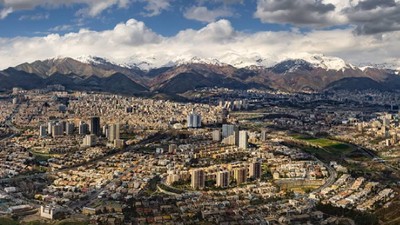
(323,148)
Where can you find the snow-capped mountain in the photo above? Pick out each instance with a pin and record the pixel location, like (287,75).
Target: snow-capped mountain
(236,60)
(94,60)
(381,66)
(291,66)
(178,74)
(325,62)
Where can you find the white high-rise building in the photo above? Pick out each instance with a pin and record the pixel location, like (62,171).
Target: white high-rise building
(229,129)
(216,135)
(50,127)
(113,132)
(89,140)
(194,120)
(243,139)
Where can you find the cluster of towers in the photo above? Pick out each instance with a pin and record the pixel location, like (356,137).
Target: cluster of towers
(238,173)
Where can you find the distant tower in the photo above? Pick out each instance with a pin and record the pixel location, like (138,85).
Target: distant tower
(243,139)
(240,175)
(113,132)
(42,131)
(95,126)
(57,130)
(229,129)
(255,169)
(197,179)
(222,179)
(69,129)
(263,137)
(50,127)
(89,140)
(83,128)
(216,135)
(194,120)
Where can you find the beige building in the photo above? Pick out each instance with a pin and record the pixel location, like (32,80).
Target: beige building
(197,179)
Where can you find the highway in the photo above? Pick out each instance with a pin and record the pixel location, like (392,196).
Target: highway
(330,180)
(332,172)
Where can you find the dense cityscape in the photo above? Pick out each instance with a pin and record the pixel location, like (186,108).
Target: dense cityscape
(244,157)
(176,112)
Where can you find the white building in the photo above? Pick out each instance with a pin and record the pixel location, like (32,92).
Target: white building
(243,139)
(89,140)
(194,120)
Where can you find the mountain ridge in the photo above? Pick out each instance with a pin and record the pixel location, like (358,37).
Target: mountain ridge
(292,75)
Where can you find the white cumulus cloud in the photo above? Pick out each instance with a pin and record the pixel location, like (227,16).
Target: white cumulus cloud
(134,40)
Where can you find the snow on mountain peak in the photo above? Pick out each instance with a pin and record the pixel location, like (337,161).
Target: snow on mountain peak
(326,62)
(88,59)
(236,59)
(198,60)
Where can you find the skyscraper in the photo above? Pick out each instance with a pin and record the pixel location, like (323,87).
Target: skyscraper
(194,120)
(57,130)
(95,126)
(69,129)
(89,140)
(263,136)
(42,131)
(216,135)
(229,129)
(240,175)
(83,128)
(197,179)
(255,169)
(113,132)
(222,179)
(243,139)
(50,127)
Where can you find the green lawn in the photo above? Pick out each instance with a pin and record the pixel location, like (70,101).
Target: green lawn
(325,143)
(329,150)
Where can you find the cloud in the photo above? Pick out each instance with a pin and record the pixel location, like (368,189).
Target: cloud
(203,14)
(366,16)
(297,12)
(155,7)
(92,7)
(62,28)
(226,2)
(134,40)
(35,17)
(374,17)
(5,12)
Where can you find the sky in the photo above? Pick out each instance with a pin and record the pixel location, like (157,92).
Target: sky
(232,31)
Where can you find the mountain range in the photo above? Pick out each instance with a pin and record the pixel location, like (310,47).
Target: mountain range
(315,73)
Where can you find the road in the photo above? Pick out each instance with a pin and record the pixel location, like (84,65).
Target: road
(370,154)
(330,180)
(332,172)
